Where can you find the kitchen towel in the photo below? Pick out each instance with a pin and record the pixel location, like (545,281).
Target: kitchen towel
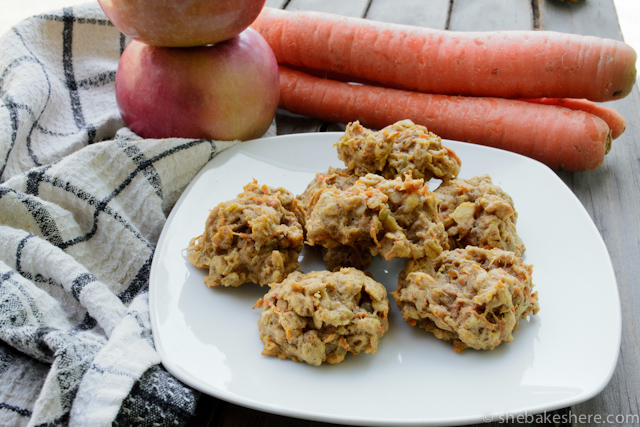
(82,203)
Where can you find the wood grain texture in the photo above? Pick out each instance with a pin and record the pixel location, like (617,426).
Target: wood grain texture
(432,13)
(354,8)
(278,4)
(288,123)
(488,15)
(611,195)
(590,17)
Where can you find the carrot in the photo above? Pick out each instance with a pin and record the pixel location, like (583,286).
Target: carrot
(559,137)
(504,64)
(613,118)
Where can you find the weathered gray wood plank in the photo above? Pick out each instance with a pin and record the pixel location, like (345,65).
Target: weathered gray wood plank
(288,123)
(277,4)
(237,416)
(610,195)
(592,17)
(355,8)
(487,15)
(432,13)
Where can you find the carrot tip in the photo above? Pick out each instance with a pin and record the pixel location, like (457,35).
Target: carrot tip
(609,142)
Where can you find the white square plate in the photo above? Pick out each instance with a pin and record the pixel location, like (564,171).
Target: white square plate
(208,337)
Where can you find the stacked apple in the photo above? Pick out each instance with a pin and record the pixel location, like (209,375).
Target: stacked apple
(194,69)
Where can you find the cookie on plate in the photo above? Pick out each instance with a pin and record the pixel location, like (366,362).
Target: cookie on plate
(396,150)
(256,237)
(393,218)
(472,297)
(477,212)
(322,316)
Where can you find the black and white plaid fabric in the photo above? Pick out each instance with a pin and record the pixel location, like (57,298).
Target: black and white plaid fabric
(82,204)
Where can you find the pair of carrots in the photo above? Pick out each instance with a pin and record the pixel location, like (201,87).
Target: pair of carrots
(530,92)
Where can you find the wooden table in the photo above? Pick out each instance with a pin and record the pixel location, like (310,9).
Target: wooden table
(611,193)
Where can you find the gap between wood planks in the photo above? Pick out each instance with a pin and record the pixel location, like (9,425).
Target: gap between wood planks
(535,8)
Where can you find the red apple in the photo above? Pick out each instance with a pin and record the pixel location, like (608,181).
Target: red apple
(181,23)
(225,91)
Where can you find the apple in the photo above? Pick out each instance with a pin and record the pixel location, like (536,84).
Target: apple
(225,91)
(181,23)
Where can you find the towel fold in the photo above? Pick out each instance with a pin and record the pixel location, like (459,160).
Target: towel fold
(82,203)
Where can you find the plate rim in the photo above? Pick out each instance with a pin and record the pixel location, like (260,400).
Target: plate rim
(232,398)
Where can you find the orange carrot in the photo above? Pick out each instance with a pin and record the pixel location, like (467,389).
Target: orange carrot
(613,118)
(504,64)
(559,137)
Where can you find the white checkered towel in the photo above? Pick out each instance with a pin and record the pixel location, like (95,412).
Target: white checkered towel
(82,203)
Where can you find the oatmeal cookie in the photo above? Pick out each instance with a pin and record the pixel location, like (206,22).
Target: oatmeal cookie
(256,237)
(392,218)
(396,150)
(477,212)
(322,316)
(472,297)
(334,177)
